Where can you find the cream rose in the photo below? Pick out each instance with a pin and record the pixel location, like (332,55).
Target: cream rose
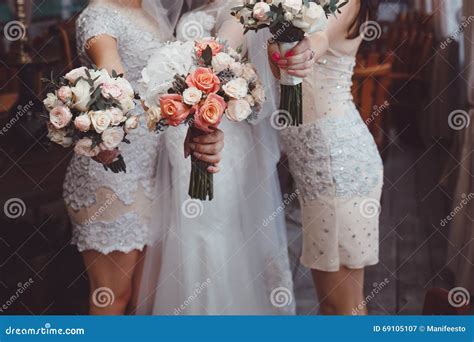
(82,95)
(238,110)
(83,123)
(84,148)
(260,11)
(58,136)
(237,68)
(293,6)
(51,101)
(248,73)
(127,105)
(75,74)
(101,120)
(60,116)
(236,89)
(313,19)
(131,123)
(221,62)
(192,96)
(258,94)
(117,116)
(125,86)
(153,117)
(112,137)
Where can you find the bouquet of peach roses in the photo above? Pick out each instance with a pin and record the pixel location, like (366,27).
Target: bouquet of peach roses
(197,83)
(90,110)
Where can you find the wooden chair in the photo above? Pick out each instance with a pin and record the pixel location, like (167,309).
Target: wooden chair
(371,94)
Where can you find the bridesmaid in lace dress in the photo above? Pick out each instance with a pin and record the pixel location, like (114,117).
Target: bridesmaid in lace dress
(336,166)
(110,212)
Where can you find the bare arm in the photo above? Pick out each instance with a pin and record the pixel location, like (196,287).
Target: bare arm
(103,51)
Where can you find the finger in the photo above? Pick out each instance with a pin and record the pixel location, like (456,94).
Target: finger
(187,148)
(274,52)
(300,73)
(207,149)
(212,138)
(299,58)
(211,159)
(214,169)
(301,66)
(301,47)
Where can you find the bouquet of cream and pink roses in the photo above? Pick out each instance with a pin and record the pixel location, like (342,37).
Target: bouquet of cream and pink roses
(90,110)
(289,21)
(198,83)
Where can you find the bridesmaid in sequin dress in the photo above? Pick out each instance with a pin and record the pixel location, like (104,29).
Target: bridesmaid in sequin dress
(337,167)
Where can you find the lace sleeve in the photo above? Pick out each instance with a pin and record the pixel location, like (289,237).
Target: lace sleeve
(95,21)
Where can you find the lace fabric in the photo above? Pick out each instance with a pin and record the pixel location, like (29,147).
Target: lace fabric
(88,188)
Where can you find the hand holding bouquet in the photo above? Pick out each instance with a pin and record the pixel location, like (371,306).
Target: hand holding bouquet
(90,110)
(205,81)
(289,21)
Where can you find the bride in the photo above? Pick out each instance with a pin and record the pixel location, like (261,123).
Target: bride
(228,256)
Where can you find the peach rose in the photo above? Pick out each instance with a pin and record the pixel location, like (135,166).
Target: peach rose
(60,116)
(65,94)
(173,109)
(205,80)
(83,122)
(209,115)
(212,43)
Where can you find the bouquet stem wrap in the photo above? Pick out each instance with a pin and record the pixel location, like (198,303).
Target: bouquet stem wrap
(291,102)
(201,185)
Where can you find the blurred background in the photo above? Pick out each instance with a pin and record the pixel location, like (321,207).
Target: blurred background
(414,86)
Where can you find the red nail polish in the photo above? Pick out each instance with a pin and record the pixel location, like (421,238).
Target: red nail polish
(276,56)
(290,53)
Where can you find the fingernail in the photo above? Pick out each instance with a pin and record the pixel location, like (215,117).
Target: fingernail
(197,155)
(289,53)
(192,146)
(276,56)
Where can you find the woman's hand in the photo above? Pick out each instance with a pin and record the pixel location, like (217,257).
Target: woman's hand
(207,148)
(299,61)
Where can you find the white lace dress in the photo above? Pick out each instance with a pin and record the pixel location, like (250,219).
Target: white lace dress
(110,212)
(338,171)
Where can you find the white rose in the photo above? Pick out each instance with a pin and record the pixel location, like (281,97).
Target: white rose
(60,116)
(237,68)
(127,105)
(75,74)
(236,89)
(83,123)
(51,101)
(101,120)
(248,73)
(288,16)
(192,96)
(313,19)
(58,136)
(131,123)
(238,110)
(100,76)
(84,148)
(112,137)
(117,116)
(259,94)
(221,62)
(260,11)
(82,95)
(293,6)
(249,98)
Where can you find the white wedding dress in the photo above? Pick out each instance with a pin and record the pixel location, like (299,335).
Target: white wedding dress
(228,256)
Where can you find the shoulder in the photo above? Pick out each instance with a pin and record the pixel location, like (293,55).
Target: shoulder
(106,13)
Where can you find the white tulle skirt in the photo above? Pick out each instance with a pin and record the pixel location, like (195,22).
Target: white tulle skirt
(224,257)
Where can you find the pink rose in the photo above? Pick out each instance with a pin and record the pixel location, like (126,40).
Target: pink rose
(83,123)
(84,148)
(65,94)
(111,138)
(212,43)
(209,115)
(173,109)
(111,90)
(205,80)
(60,116)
